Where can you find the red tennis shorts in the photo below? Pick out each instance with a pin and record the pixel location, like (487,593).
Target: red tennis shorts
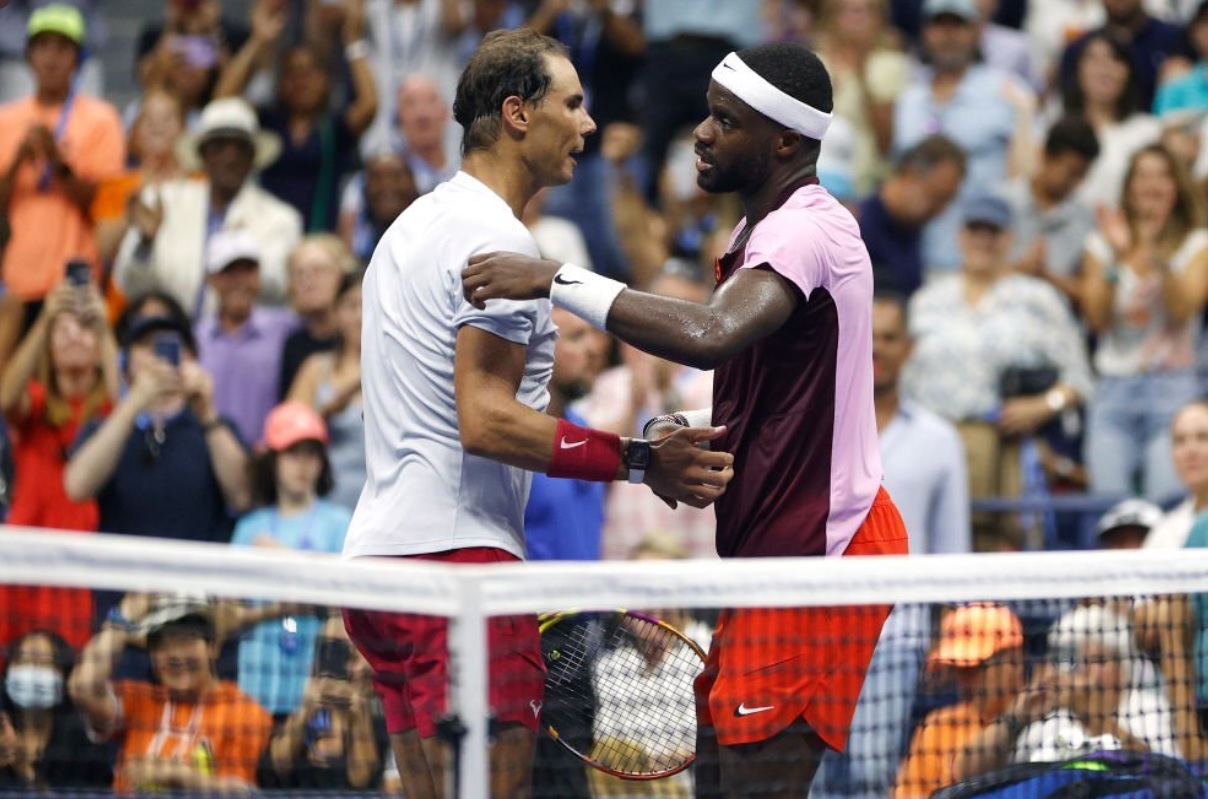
(770,667)
(409,656)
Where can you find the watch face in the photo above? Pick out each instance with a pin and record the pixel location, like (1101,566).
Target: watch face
(637,455)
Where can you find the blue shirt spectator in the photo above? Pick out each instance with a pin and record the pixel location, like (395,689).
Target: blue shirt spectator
(275,656)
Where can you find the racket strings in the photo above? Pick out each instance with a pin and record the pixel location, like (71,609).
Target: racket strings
(640,699)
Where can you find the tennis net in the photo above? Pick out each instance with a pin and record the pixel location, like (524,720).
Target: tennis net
(991,670)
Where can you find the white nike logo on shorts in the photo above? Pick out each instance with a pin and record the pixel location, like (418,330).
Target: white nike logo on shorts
(743,710)
(568,445)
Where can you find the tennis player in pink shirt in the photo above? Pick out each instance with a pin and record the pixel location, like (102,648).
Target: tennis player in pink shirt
(788,332)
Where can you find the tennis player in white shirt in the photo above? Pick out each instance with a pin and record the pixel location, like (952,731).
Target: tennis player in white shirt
(454,401)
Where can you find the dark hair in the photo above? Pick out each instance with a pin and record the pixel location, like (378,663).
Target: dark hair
(64,655)
(192,625)
(134,310)
(894,297)
(508,63)
(1072,98)
(64,660)
(263,469)
(929,153)
(1072,134)
(322,63)
(793,69)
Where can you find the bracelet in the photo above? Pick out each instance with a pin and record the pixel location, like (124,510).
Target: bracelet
(669,418)
(584,293)
(357,50)
(585,454)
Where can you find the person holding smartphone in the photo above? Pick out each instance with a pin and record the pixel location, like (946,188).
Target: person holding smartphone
(164,463)
(336,739)
(63,375)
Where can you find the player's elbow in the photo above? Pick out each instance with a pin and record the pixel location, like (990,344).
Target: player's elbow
(478,428)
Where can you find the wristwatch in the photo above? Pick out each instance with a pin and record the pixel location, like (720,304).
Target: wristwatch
(637,458)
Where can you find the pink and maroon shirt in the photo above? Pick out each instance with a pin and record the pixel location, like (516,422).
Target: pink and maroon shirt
(798,405)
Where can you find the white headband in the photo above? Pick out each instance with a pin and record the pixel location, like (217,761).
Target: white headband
(754,90)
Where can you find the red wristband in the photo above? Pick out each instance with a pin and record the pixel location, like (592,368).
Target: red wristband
(585,454)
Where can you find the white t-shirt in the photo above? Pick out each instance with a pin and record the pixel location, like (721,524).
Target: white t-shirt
(1172,529)
(1141,338)
(424,493)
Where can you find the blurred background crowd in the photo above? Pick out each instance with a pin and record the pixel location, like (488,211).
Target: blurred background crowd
(190,191)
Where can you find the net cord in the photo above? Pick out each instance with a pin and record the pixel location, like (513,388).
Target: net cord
(31,556)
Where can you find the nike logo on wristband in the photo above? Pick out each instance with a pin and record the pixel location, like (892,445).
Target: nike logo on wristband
(567,445)
(743,710)
(561,281)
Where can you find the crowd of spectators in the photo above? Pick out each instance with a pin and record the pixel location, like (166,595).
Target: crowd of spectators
(180,286)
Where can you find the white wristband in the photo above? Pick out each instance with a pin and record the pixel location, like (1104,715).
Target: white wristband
(584,293)
(702,417)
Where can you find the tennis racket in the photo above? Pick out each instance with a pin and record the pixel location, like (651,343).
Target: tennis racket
(619,691)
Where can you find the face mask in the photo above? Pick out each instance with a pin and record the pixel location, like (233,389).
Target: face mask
(34,687)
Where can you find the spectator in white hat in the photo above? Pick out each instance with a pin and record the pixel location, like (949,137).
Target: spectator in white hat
(240,344)
(1126,524)
(166,248)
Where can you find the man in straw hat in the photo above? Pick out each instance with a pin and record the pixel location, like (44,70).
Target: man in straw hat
(56,145)
(167,244)
(789,333)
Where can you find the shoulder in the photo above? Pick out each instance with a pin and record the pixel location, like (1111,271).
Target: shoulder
(248,524)
(333,515)
(17,109)
(1195,241)
(248,709)
(930,423)
(98,111)
(937,290)
(1031,289)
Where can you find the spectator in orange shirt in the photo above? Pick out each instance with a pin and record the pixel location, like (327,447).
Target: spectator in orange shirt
(55,146)
(189,730)
(983,644)
(63,374)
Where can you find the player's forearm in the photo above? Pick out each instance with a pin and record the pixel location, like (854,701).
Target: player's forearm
(685,332)
(507,432)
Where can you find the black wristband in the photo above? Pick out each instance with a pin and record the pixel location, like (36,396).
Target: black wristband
(672,418)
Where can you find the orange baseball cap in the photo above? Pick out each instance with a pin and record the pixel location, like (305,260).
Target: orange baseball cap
(972,634)
(291,423)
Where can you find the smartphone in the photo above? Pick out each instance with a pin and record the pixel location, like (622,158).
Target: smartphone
(331,658)
(79,272)
(167,347)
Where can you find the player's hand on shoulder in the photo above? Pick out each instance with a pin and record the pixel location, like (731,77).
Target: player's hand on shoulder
(506,276)
(681,471)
